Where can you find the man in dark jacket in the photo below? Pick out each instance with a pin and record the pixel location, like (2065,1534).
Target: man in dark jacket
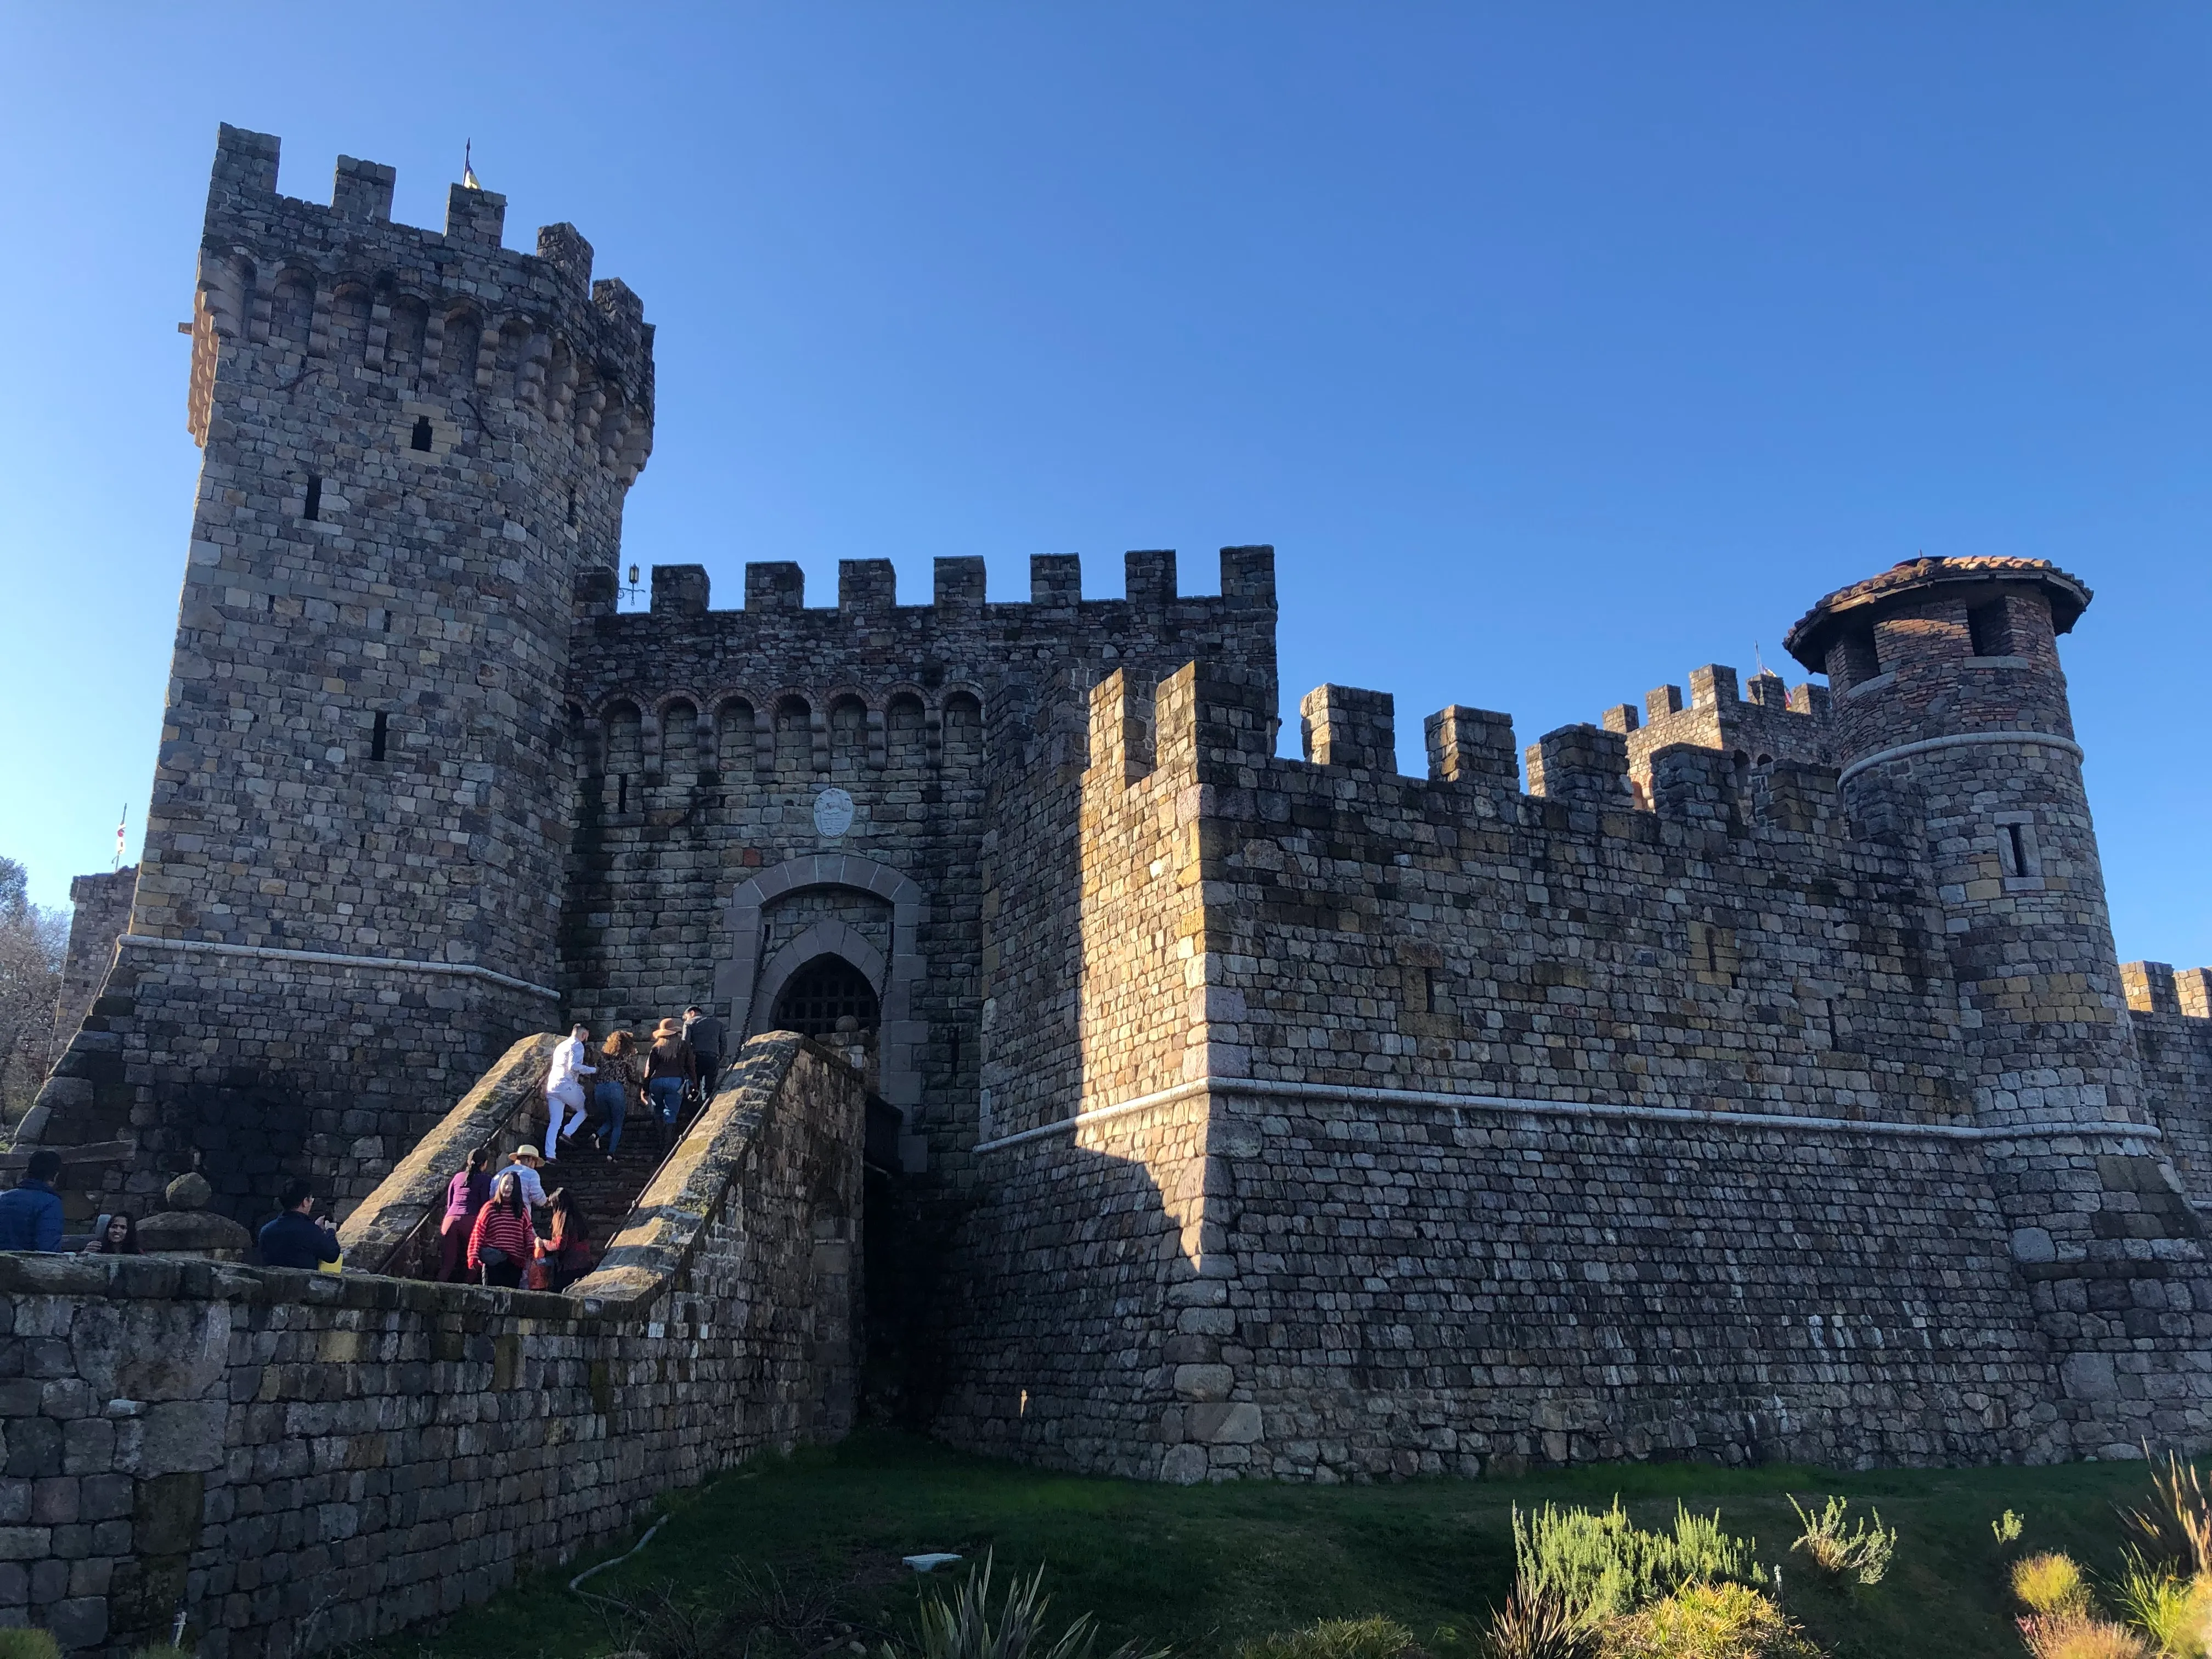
(294,1241)
(703,1031)
(31,1211)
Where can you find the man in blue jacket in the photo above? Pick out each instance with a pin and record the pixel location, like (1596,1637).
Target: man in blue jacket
(31,1211)
(292,1240)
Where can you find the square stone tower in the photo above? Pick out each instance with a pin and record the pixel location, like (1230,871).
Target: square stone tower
(415,444)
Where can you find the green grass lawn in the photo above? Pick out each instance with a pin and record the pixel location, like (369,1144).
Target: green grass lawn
(1202,1568)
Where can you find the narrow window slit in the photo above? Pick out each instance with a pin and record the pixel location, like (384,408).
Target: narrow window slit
(314,509)
(377,734)
(2016,845)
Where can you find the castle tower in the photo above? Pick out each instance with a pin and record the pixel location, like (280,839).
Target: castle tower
(415,445)
(1955,738)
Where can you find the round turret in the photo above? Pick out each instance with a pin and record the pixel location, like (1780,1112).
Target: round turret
(1954,735)
(1939,648)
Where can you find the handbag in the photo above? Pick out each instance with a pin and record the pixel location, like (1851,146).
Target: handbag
(492,1256)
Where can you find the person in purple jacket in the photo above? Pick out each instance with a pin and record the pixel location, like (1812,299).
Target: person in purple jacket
(465,1196)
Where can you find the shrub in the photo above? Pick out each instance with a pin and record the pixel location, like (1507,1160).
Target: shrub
(2175,1613)
(26,1642)
(1706,1621)
(1335,1638)
(962,1628)
(2080,1636)
(1535,1627)
(1863,1552)
(2006,1528)
(2175,1528)
(1596,1565)
(2049,1584)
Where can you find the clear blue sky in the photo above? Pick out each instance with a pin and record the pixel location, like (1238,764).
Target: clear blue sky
(1556,350)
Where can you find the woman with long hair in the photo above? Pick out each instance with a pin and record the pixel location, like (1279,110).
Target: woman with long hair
(566,1256)
(465,1196)
(617,1089)
(502,1240)
(117,1236)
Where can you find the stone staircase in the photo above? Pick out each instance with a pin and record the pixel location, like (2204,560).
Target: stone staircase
(605,1188)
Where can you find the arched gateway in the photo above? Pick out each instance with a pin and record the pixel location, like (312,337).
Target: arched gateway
(819,968)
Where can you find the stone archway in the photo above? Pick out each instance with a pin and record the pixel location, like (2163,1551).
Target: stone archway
(749,985)
(823,939)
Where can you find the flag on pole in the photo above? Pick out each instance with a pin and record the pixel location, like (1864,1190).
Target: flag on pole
(119,822)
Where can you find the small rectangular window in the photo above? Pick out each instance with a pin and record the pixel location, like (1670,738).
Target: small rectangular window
(622,791)
(314,508)
(1986,630)
(377,733)
(1854,660)
(386,624)
(421,440)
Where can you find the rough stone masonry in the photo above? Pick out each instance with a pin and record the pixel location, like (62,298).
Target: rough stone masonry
(1747,1074)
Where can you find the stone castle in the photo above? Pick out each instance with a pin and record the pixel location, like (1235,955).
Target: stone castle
(1758,1079)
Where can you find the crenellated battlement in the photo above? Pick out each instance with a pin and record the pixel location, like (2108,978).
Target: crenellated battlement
(1765,722)
(1578,776)
(867,592)
(472,331)
(2157,987)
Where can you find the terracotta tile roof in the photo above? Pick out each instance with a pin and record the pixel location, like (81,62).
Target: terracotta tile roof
(1808,640)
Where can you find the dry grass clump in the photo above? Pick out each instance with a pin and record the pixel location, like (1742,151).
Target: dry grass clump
(2081,1636)
(1375,1638)
(1706,1621)
(2049,1583)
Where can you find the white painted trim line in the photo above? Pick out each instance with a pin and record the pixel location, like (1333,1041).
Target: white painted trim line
(457,969)
(1927,744)
(1096,1114)
(1344,1094)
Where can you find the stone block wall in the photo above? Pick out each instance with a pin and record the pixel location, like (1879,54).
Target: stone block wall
(2170,1016)
(263,1069)
(1534,1128)
(1339,1285)
(1427,934)
(302,1459)
(101,912)
(955,730)
(1066,1298)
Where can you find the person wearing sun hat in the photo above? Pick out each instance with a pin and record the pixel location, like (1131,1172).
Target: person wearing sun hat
(670,1069)
(522,1164)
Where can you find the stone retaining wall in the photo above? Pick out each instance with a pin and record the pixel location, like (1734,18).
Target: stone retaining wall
(302,1459)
